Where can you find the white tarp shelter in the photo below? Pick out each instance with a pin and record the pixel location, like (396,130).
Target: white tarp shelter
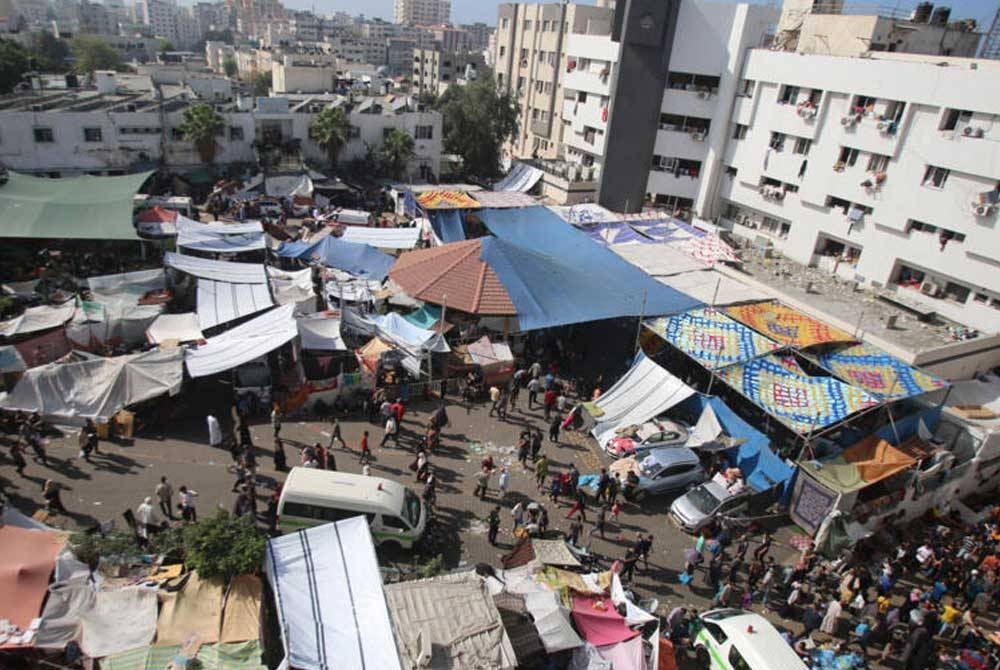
(383,238)
(218,237)
(658,260)
(521,178)
(117,322)
(328,591)
(96,388)
(322,332)
(10,360)
(176,327)
(243,343)
(291,287)
(713,288)
(551,621)
(354,289)
(645,391)
(353,217)
(35,319)
(236,273)
(221,302)
(277,187)
(125,288)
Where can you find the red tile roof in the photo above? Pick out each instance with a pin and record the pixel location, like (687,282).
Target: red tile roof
(452,274)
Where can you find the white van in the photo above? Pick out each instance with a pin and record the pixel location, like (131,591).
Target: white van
(312,497)
(732,639)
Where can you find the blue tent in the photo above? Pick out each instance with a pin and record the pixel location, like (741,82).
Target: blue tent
(361,260)
(583,281)
(447,224)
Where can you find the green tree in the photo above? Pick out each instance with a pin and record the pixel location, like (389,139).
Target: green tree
(396,152)
(331,129)
(478,119)
(49,53)
(201,125)
(229,66)
(13,65)
(223,546)
(262,84)
(165,45)
(219,36)
(93,53)
(91,547)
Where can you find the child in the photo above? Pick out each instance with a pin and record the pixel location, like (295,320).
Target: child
(366,453)
(616,509)
(504,482)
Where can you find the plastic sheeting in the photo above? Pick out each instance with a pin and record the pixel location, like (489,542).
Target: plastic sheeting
(243,343)
(96,388)
(219,238)
(711,338)
(321,332)
(328,591)
(442,199)
(448,225)
(878,372)
(505,199)
(786,325)
(645,391)
(26,564)
(713,288)
(35,319)
(599,626)
(10,360)
(221,302)
(119,620)
(125,288)
(241,615)
(657,259)
(521,178)
(178,327)
(236,273)
(291,287)
(383,238)
(194,610)
(238,656)
(551,621)
(399,332)
(104,324)
(361,260)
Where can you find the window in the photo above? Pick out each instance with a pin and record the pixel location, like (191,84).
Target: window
(740,131)
(424,132)
(547,88)
(746,88)
(503,51)
(863,102)
(386,132)
(44,135)
(553,57)
(394,522)
(305,511)
(581,96)
(935,177)
(802,146)
(527,25)
(546,26)
(878,163)
(848,156)
(788,94)
(815,95)
(135,130)
(775,227)
(715,631)
(777,141)
(504,24)
(524,54)
(91,134)
(235,133)
(677,470)
(736,660)
(534,114)
(589,134)
(921,227)
(956,292)
(955,118)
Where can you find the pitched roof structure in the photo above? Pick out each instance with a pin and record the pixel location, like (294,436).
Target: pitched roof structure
(453,274)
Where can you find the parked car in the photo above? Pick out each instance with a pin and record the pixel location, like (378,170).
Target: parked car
(270,207)
(650,435)
(695,509)
(668,469)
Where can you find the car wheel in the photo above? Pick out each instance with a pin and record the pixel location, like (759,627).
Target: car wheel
(639,496)
(390,547)
(702,658)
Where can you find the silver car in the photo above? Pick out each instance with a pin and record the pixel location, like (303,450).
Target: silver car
(696,508)
(667,469)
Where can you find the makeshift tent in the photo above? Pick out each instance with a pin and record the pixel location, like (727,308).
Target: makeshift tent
(320,331)
(413,341)
(551,621)
(238,656)
(36,319)
(427,317)
(174,327)
(352,217)
(519,627)
(879,373)
(383,238)
(88,208)
(505,199)
(778,385)
(350,289)
(221,302)
(291,287)
(224,271)
(96,387)
(26,564)
(441,199)
(645,391)
(219,237)
(10,360)
(860,465)
(328,592)
(361,260)
(119,620)
(454,274)
(786,325)
(194,610)
(288,186)
(455,618)
(657,259)
(243,343)
(711,338)
(241,614)
(521,178)
(96,323)
(615,233)
(712,287)
(125,288)
(448,225)
(493,356)
(598,621)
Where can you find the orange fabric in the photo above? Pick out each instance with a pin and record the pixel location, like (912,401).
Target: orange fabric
(26,564)
(876,459)
(786,325)
(667,660)
(447,200)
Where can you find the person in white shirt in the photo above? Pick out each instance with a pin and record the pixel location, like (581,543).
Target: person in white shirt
(187,496)
(146,518)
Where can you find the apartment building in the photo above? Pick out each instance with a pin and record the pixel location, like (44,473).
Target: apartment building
(159,15)
(421,12)
(530,61)
(434,70)
(478,35)
(97,19)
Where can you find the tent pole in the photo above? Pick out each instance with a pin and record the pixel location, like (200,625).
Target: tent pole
(715,295)
(638,327)
(444,312)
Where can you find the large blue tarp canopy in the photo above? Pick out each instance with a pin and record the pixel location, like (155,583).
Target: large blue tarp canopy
(556,275)
(447,224)
(361,260)
(762,468)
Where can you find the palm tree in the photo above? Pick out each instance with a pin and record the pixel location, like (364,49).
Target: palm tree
(201,125)
(331,129)
(396,152)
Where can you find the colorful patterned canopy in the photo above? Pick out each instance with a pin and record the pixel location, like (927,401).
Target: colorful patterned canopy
(786,325)
(804,403)
(447,200)
(711,338)
(880,374)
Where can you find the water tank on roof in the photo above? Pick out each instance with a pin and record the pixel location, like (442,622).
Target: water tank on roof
(922,12)
(940,16)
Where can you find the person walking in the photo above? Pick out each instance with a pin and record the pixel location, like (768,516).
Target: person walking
(280,460)
(146,520)
(320,452)
(579,505)
(366,452)
(276,420)
(554,430)
(555,488)
(504,482)
(187,496)
(390,431)
(628,565)
(494,401)
(503,402)
(760,552)
(514,390)
(549,403)
(17,454)
(541,471)
(52,496)
(165,496)
(272,512)
(600,523)
(523,447)
(602,485)
(534,386)
(614,487)
(535,370)
(644,547)
(335,434)
(482,483)
(494,525)
(536,444)
(573,535)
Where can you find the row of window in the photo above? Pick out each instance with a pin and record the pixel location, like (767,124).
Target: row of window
(543,26)
(44,135)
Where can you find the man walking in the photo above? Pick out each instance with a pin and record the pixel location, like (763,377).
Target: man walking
(541,471)
(165,494)
(534,386)
(482,483)
(335,435)
(603,481)
(494,523)
(366,452)
(188,512)
(494,401)
(276,420)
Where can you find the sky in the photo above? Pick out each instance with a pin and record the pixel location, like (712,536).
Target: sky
(470,11)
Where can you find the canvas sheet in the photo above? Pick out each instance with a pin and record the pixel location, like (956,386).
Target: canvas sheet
(484,352)
(615,233)
(238,656)
(194,610)
(396,330)
(184,224)
(26,564)
(628,655)
(383,238)
(62,616)
(242,344)
(44,348)
(241,616)
(328,591)
(426,317)
(448,225)
(125,288)
(10,359)
(879,373)
(553,552)
(289,186)
(877,459)
(666,230)
(505,199)
(360,260)
(811,503)
(221,302)
(290,288)
(217,239)
(441,199)
(120,620)
(36,319)
(103,324)
(786,325)
(96,388)
(599,626)
(521,178)
(711,338)
(177,327)
(645,391)
(551,621)
(778,385)
(321,332)
(658,259)
(709,249)
(713,288)
(353,290)
(203,268)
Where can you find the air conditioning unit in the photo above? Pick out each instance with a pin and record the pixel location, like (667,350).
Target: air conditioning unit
(848,121)
(981,209)
(930,288)
(703,95)
(698,137)
(883,125)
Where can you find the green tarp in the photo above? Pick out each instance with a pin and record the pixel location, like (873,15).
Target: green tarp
(237,656)
(82,208)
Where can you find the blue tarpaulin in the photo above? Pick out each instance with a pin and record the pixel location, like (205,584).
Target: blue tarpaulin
(555,275)
(762,468)
(447,224)
(425,317)
(361,260)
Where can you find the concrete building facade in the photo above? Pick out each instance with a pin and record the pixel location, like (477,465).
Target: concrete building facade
(434,70)
(421,12)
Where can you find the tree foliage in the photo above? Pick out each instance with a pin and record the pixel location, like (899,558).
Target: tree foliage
(478,120)
(13,64)
(223,546)
(331,129)
(93,53)
(219,36)
(229,66)
(165,45)
(201,125)
(397,150)
(90,547)
(49,53)
(262,84)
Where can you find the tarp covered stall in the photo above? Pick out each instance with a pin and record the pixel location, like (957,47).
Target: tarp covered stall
(645,391)
(221,302)
(119,620)
(383,238)
(26,564)
(320,332)
(804,403)
(88,208)
(786,325)
(10,360)
(713,288)
(551,621)
(521,178)
(711,338)
(505,199)
(360,260)
(878,372)
(599,625)
(224,271)
(125,288)
(219,238)
(448,225)
(36,319)
(443,199)
(292,288)
(396,330)
(287,186)
(454,617)
(174,327)
(96,388)
(196,609)
(495,358)
(332,612)
(95,323)
(243,343)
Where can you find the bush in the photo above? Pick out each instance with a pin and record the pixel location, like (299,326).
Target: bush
(91,547)
(223,546)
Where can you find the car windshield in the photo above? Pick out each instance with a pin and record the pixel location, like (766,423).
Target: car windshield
(703,500)
(411,508)
(650,467)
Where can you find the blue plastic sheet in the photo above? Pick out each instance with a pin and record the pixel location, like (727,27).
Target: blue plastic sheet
(447,224)
(361,260)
